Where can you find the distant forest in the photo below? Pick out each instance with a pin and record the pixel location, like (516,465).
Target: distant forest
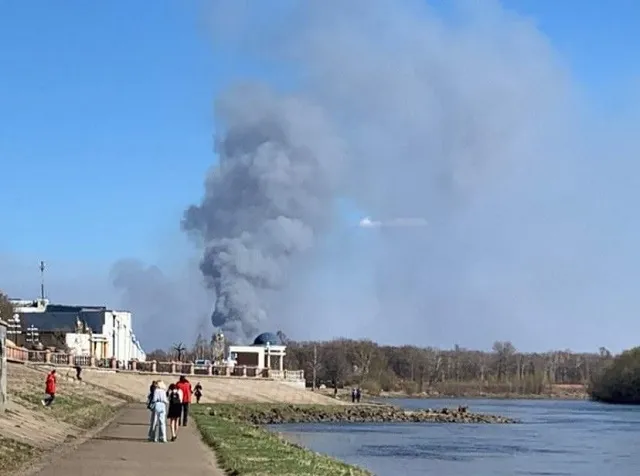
(416,370)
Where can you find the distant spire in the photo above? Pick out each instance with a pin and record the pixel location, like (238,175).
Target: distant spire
(42,268)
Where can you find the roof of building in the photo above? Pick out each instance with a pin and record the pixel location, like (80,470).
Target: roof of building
(62,321)
(66,308)
(267,338)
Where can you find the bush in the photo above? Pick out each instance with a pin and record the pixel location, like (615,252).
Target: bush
(620,381)
(371,387)
(388,381)
(410,387)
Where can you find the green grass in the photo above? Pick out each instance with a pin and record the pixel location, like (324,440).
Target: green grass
(14,454)
(248,450)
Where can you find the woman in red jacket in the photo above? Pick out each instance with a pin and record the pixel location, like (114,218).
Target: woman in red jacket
(185,387)
(50,389)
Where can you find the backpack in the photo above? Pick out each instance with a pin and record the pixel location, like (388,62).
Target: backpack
(174,398)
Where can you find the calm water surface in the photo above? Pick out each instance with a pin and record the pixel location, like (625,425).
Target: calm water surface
(555,438)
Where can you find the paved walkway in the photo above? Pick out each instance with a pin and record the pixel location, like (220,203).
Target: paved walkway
(122,449)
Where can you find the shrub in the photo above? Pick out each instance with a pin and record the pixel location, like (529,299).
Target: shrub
(372,387)
(410,387)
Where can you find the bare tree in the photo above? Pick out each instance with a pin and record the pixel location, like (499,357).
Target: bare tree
(179,350)
(6,308)
(200,347)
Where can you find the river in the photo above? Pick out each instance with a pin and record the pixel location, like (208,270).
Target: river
(555,438)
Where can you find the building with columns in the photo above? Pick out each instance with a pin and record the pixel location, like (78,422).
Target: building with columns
(92,331)
(266,352)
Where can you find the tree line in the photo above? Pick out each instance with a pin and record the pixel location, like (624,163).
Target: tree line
(456,371)
(415,370)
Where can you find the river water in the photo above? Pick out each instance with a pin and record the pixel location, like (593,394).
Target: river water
(555,438)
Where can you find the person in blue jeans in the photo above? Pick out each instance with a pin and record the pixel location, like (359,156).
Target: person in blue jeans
(158,405)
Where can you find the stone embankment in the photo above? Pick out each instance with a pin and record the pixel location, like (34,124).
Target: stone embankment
(352,414)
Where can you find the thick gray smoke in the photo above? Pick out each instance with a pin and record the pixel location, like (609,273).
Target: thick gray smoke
(266,200)
(465,117)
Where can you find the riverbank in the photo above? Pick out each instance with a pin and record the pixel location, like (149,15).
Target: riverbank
(30,431)
(244,448)
(471,391)
(572,393)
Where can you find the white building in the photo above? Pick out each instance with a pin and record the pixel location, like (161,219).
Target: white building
(88,330)
(266,352)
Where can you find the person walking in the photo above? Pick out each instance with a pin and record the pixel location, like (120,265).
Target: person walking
(358,395)
(197,391)
(158,406)
(184,385)
(50,388)
(174,395)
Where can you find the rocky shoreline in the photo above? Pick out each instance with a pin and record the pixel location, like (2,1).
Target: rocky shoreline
(281,414)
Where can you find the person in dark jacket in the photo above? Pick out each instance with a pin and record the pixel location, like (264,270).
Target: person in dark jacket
(197,391)
(174,395)
(152,389)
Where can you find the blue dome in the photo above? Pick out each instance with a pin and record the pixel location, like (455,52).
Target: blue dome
(265,337)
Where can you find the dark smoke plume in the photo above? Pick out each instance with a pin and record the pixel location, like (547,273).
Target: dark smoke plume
(265,201)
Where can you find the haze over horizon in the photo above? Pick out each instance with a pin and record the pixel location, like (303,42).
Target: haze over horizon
(507,128)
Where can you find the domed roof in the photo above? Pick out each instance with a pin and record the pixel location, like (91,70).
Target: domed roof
(265,337)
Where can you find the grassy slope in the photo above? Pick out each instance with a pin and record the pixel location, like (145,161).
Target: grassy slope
(14,454)
(77,408)
(248,450)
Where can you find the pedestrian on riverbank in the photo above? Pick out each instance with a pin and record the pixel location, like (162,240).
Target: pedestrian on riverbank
(353,395)
(174,395)
(358,395)
(158,406)
(185,386)
(198,392)
(50,388)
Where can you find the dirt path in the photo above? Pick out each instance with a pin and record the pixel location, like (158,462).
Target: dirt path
(122,449)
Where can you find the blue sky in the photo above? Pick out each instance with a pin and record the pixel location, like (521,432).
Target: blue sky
(106,114)
(101,103)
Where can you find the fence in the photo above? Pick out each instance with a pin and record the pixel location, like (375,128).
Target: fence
(22,355)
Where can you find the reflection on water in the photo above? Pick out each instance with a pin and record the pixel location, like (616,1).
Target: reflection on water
(555,438)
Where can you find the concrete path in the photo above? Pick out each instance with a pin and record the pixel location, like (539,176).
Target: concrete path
(122,449)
